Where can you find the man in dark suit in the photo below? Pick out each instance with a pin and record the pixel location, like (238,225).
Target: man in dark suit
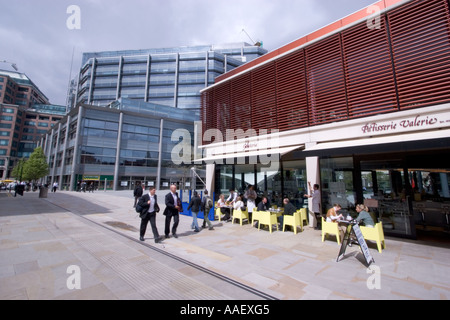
(149,203)
(173,208)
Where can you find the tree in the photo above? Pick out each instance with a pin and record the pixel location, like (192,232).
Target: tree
(36,167)
(18,169)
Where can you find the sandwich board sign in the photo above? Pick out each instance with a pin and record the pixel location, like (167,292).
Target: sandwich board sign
(361,241)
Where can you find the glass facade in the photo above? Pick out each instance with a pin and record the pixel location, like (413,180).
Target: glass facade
(170,77)
(121,144)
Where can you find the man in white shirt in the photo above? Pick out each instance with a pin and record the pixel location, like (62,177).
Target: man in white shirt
(149,203)
(232,197)
(315,208)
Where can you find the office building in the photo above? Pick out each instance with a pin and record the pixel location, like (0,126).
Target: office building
(113,147)
(166,76)
(25,114)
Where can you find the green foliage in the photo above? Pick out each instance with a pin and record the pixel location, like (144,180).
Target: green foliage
(36,167)
(18,169)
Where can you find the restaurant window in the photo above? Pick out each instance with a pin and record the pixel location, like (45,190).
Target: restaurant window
(294,182)
(225,178)
(337,183)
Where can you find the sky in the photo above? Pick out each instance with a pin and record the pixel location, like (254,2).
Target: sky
(42,36)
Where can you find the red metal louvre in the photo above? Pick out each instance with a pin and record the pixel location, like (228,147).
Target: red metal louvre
(292,102)
(421,47)
(207,113)
(241,103)
(369,71)
(264,110)
(326,83)
(222,108)
(356,73)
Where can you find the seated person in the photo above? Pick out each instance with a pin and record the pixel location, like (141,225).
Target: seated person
(223,208)
(289,210)
(332,215)
(238,204)
(364,216)
(263,205)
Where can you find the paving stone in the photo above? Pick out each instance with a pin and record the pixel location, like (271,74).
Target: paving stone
(40,238)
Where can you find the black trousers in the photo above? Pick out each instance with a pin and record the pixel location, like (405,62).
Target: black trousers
(144,222)
(176,220)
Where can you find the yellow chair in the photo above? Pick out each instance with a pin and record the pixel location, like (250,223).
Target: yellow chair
(330,228)
(218,214)
(255,215)
(293,221)
(303,216)
(241,215)
(375,234)
(266,218)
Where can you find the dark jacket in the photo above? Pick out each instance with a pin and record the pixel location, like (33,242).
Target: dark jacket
(170,205)
(138,191)
(263,207)
(289,209)
(195,204)
(143,202)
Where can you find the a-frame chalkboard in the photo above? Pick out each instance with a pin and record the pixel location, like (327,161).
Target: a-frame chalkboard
(354,228)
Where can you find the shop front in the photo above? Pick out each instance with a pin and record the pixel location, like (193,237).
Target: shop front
(363,112)
(398,168)
(94,182)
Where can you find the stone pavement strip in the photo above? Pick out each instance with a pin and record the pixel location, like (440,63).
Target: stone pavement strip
(41,238)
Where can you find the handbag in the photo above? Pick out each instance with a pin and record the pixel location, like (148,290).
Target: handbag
(139,209)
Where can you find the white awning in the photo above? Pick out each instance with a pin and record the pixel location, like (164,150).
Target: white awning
(436,134)
(280,151)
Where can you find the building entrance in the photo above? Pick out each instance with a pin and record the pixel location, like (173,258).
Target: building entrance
(409,193)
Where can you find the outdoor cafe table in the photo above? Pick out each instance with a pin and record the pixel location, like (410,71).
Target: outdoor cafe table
(278,212)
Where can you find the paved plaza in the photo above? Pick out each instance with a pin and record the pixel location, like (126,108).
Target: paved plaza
(40,239)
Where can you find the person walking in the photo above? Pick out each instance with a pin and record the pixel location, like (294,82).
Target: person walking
(206,206)
(137,193)
(195,205)
(173,208)
(55,187)
(150,207)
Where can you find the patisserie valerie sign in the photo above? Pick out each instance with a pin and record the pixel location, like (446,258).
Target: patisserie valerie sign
(417,122)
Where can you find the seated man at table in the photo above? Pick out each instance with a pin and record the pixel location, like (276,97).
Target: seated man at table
(263,205)
(289,210)
(224,208)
